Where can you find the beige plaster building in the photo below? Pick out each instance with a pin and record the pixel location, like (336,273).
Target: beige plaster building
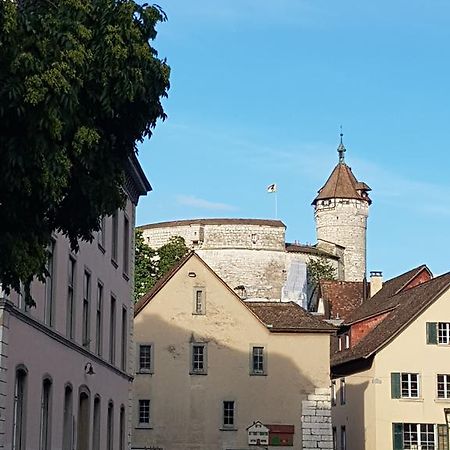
(253,257)
(65,370)
(209,366)
(391,367)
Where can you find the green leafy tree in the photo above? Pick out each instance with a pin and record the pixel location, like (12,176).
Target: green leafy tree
(318,269)
(151,265)
(80,84)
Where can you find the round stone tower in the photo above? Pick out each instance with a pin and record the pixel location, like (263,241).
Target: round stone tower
(341,209)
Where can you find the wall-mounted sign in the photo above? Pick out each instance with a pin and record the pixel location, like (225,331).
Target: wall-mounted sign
(258,434)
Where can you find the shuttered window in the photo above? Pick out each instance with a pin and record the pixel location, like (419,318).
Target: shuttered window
(395,385)
(442,437)
(431,333)
(397,436)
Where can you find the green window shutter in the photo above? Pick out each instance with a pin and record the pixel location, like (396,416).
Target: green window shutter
(397,436)
(432,333)
(442,437)
(395,385)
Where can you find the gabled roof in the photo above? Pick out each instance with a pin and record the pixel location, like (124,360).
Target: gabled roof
(224,221)
(383,300)
(406,306)
(341,298)
(343,184)
(276,316)
(287,317)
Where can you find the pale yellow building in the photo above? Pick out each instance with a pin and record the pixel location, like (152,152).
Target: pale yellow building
(391,368)
(209,365)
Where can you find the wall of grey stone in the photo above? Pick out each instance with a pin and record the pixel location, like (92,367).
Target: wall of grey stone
(317,430)
(344,222)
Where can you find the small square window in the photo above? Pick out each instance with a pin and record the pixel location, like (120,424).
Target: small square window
(144,413)
(198,359)
(409,385)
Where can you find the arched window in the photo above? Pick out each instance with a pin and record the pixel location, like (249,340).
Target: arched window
(68,418)
(46,409)
(96,424)
(122,445)
(110,427)
(19,410)
(83,434)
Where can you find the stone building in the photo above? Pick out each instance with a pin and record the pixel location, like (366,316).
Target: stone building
(253,257)
(65,370)
(209,366)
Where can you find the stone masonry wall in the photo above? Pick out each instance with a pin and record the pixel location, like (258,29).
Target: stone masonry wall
(344,222)
(317,430)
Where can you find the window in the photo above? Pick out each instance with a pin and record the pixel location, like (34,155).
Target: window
(443,386)
(83,433)
(198,359)
(409,385)
(124,340)
(45,436)
(342,391)
(257,363)
(199,301)
(145,358)
(343,438)
(333,392)
(101,234)
(228,414)
(96,424)
(347,340)
(112,331)
(340,343)
(19,410)
(144,413)
(49,286)
(68,419)
(86,309)
(334,438)
(405,385)
(126,245)
(122,428)
(444,333)
(110,427)
(115,236)
(70,318)
(418,436)
(99,319)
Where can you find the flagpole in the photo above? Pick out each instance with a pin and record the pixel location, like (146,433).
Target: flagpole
(276,205)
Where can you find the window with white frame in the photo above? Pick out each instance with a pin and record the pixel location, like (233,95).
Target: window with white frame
(86,309)
(228,414)
(409,385)
(145,358)
(419,436)
(443,386)
(444,333)
(198,359)
(199,301)
(70,315)
(258,363)
(342,391)
(333,392)
(144,412)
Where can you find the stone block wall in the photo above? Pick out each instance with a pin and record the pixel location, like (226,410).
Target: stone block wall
(344,222)
(317,430)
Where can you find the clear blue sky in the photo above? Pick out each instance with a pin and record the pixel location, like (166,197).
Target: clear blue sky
(258,91)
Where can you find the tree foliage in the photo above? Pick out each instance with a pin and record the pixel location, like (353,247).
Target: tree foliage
(151,265)
(80,84)
(320,269)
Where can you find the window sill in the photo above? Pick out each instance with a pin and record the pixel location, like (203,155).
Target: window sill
(198,373)
(411,399)
(228,429)
(101,248)
(143,426)
(442,400)
(125,277)
(114,263)
(144,372)
(258,374)
(199,314)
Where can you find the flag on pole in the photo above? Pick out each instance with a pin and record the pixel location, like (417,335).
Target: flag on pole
(272,188)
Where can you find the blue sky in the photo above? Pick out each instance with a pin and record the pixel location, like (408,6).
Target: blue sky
(258,91)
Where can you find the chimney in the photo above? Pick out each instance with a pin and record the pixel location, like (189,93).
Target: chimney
(376,282)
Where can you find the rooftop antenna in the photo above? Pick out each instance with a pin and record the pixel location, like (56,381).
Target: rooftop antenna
(341,149)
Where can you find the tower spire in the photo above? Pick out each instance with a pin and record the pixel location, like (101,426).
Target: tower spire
(341,149)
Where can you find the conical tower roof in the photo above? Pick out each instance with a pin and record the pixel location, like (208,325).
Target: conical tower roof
(342,183)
